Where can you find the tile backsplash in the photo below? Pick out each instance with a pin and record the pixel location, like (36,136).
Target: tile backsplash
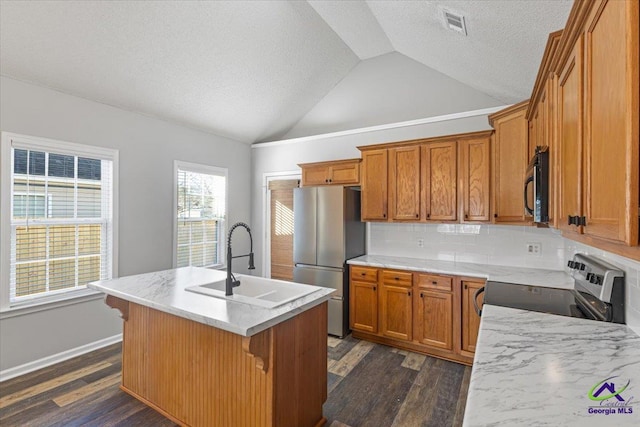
(479,244)
(499,245)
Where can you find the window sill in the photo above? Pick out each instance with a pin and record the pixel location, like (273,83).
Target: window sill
(50,303)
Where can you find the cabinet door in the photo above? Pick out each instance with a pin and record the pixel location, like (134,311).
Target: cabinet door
(347,173)
(510,152)
(404,183)
(435,319)
(470,319)
(395,309)
(475,177)
(363,306)
(439,178)
(315,175)
(608,142)
(570,140)
(374,185)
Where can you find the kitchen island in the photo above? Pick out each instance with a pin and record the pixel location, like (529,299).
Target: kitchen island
(207,361)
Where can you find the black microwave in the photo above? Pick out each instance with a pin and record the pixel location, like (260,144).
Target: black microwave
(537,176)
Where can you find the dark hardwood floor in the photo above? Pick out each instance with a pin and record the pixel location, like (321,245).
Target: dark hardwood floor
(369,385)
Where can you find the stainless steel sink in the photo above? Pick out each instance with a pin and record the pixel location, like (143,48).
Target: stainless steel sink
(258,291)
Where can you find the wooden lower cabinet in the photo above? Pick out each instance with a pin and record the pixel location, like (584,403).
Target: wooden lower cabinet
(434,319)
(426,313)
(470,319)
(363,306)
(395,311)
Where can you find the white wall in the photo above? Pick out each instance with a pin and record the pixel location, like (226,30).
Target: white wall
(389,88)
(148,147)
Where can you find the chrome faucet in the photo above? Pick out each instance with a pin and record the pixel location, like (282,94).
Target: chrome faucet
(231,279)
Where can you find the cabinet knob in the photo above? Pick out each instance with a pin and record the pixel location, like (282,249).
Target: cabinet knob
(466,286)
(417,215)
(428,215)
(326,180)
(434,283)
(466,216)
(363,274)
(330,180)
(421,295)
(397,278)
(374,288)
(384,215)
(495,215)
(409,293)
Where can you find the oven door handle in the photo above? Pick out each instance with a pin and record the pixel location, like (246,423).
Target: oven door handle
(475,300)
(526,201)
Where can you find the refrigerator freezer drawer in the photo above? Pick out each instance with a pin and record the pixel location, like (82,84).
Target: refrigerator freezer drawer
(320,276)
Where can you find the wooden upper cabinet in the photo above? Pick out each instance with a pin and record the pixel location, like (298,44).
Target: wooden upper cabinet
(339,172)
(470,319)
(610,182)
(510,160)
(374,185)
(439,181)
(474,170)
(404,180)
(570,136)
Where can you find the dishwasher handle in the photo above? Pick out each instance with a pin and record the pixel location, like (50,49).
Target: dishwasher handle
(475,300)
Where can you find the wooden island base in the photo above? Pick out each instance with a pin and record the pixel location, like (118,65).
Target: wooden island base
(198,375)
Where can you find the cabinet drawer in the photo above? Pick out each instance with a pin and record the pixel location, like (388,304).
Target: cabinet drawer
(397,278)
(364,274)
(431,281)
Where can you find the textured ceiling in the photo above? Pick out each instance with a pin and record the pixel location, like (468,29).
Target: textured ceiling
(502,52)
(251,70)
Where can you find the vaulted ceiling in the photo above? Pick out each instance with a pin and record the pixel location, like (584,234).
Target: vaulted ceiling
(251,70)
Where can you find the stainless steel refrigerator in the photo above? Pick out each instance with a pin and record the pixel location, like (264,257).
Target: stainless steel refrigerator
(326,233)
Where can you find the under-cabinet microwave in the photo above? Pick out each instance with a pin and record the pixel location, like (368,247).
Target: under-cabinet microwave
(537,176)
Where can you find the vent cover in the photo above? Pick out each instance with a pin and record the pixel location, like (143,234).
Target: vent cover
(454,21)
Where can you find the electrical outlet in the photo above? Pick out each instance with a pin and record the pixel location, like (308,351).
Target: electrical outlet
(534,249)
(421,243)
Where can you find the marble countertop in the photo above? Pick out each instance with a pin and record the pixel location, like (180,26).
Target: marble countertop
(497,273)
(165,291)
(538,369)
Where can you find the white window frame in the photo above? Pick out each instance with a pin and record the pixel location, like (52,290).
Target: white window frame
(7,140)
(209,170)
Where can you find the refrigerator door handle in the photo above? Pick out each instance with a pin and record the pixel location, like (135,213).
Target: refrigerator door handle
(318,267)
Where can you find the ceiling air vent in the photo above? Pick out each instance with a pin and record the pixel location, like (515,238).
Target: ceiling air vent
(454,21)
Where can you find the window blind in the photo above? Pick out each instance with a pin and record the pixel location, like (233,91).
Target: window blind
(61,221)
(201,212)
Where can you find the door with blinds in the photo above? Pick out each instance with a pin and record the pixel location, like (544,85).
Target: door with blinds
(281,228)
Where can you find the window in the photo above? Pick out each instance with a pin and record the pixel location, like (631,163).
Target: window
(201,203)
(61,222)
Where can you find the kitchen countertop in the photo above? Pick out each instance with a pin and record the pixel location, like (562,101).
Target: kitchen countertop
(538,369)
(496,273)
(165,291)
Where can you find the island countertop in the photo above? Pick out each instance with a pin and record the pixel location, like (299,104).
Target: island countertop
(538,369)
(496,273)
(165,291)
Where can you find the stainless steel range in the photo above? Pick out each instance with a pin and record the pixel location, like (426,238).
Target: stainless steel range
(598,293)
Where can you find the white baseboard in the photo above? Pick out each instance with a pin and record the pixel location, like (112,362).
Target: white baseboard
(16,371)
